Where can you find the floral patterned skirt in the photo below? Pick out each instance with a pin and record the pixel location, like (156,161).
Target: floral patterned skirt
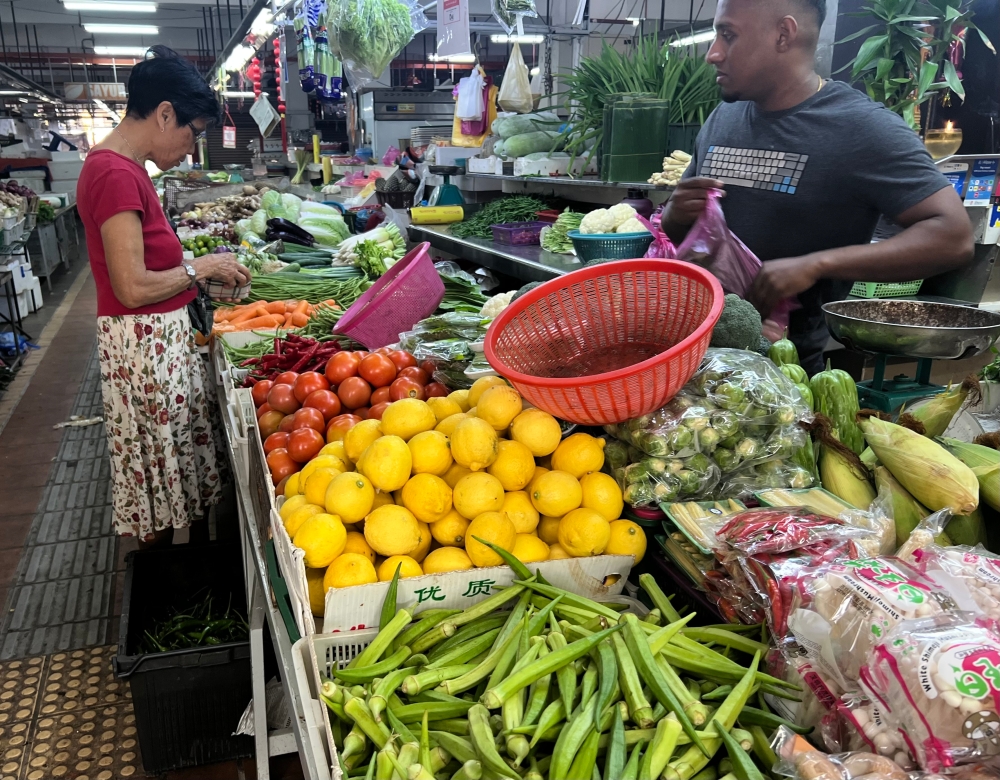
(158,414)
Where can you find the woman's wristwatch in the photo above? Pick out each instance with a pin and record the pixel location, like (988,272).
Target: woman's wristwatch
(192,274)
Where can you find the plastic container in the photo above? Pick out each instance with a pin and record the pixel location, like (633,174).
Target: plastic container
(398,200)
(548,216)
(405,294)
(601,316)
(518,233)
(221,291)
(619,246)
(187,702)
(885,289)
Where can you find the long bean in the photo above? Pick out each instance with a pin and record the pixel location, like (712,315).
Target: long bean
(517,209)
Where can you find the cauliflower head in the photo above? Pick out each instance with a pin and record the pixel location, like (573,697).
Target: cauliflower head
(631,225)
(597,221)
(492,308)
(621,213)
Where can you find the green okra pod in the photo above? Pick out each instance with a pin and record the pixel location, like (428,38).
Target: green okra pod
(389,604)
(585,761)
(381,642)
(488,605)
(484,745)
(614,758)
(363,674)
(358,711)
(639,709)
(466,652)
(565,675)
(422,626)
(460,748)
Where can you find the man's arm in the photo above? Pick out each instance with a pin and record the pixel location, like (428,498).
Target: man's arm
(937,238)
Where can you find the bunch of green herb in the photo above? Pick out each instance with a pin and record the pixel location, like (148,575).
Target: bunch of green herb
(371,258)
(202,623)
(522,208)
(556,238)
(461,295)
(368,34)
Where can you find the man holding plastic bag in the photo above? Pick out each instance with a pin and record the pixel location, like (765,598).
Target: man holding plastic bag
(807,166)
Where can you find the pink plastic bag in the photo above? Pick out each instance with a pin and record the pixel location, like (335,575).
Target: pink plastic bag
(662,247)
(390,156)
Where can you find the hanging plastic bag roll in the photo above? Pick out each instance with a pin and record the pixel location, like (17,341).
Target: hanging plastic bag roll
(515,91)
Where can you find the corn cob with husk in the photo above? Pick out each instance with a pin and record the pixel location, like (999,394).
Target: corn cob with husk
(937,413)
(907,512)
(985,464)
(969,530)
(935,477)
(840,470)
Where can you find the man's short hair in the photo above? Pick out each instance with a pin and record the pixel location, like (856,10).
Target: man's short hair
(819,6)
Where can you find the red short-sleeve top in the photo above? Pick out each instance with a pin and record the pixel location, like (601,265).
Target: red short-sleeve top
(111,183)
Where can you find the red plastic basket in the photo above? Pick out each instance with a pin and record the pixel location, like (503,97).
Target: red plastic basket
(405,294)
(606,313)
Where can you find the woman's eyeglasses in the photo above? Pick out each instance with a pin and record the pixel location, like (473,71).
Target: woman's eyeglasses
(198,134)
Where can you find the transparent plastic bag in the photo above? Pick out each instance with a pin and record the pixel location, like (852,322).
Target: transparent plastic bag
(938,681)
(470,96)
(797,759)
(509,13)
(515,89)
(976,569)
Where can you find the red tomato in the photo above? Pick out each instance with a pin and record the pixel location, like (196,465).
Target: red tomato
(263,409)
(406,387)
(274,441)
(287,425)
(428,367)
(304,444)
(260,391)
(282,398)
(307,417)
(268,423)
(286,378)
(282,466)
(375,413)
(418,375)
(276,456)
(381,396)
(339,426)
(377,370)
(341,366)
(309,383)
(402,359)
(354,392)
(362,412)
(324,400)
(384,351)
(361,354)
(436,390)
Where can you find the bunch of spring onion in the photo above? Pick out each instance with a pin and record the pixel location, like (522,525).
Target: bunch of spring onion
(386,236)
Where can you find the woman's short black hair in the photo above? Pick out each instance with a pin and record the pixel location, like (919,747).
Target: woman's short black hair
(165,75)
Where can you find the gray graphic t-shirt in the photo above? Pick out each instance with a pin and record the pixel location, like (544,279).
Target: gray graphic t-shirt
(814,177)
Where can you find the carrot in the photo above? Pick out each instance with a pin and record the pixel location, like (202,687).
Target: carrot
(290,306)
(299,320)
(221,314)
(225,328)
(275,307)
(288,319)
(302,308)
(264,322)
(249,313)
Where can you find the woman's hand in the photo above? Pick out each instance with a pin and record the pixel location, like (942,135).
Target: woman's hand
(223,267)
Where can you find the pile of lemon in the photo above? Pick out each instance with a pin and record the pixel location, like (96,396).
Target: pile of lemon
(415,489)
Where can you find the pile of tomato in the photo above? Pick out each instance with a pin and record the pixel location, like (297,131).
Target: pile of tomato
(298,413)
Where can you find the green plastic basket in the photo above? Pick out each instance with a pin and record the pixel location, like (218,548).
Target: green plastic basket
(617,246)
(885,289)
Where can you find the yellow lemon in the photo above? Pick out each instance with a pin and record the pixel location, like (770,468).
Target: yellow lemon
(321,462)
(602,494)
(548,529)
(492,527)
(426,539)
(317,483)
(537,430)
(477,493)
(387,463)
(555,493)
(474,444)
(351,496)
(292,485)
(317,592)
(348,570)
(408,417)
(445,559)
(290,505)
(444,408)
(392,530)
(579,454)
(499,405)
(528,548)
(557,553)
(584,532)
(455,473)
(322,538)
(356,543)
(460,397)
(337,449)
(428,497)
(514,466)
(522,513)
(357,439)
(448,424)
(381,499)
(295,519)
(450,530)
(539,470)
(627,538)
(480,386)
(407,568)
(431,452)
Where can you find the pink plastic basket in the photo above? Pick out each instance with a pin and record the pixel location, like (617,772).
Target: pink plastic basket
(608,342)
(405,294)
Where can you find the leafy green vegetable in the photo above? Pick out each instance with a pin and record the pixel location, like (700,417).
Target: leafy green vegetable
(556,239)
(368,34)
(371,258)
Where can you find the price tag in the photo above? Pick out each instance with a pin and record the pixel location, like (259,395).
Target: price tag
(453,27)
(228,137)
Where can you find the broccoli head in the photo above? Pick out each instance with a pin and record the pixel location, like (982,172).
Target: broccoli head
(765,346)
(739,327)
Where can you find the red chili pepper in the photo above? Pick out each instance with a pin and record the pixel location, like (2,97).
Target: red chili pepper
(307,354)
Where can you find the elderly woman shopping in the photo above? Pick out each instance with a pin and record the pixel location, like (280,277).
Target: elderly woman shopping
(156,401)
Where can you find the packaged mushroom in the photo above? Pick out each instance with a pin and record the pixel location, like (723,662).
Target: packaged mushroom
(797,758)
(965,570)
(938,681)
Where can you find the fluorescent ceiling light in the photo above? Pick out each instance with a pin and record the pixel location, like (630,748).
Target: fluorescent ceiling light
(634,19)
(109,5)
(239,57)
(702,37)
(263,26)
(451,57)
(12,92)
(533,71)
(516,38)
(237,94)
(122,29)
(121,51)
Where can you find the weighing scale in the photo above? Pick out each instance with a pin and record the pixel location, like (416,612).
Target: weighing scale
(446,194)
(919,330)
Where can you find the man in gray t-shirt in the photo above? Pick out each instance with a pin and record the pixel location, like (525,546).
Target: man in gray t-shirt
(808,166)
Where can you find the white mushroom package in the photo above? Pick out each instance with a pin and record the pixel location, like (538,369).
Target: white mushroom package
(938,681)
(965,570)
(796,759)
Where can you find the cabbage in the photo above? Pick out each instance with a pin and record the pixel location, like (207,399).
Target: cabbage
(258,222)
(269,199)
(310,208)
(328,231)
(241,227)
(292,206)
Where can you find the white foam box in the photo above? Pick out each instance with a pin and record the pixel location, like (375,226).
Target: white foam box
(448,155)
(556,167)
(68,169)
(22,277)
(74,156)
(481,164)
(35,294)
(65,189)
(23,305)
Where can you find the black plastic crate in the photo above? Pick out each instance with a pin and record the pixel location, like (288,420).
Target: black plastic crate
(187,702)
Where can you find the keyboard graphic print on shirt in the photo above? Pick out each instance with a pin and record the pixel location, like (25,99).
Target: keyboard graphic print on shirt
(757,168)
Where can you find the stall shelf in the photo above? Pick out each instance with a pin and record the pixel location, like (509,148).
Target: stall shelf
(54,239)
